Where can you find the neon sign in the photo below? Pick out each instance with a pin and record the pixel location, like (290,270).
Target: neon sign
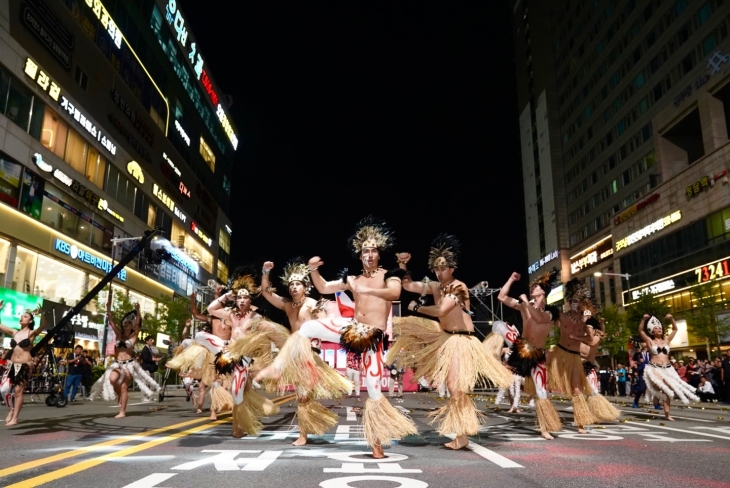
(632,210)
(88,125)
(660,287)
(543,261)
(134,169)
(712,271)
(167,201)
(106,20)
(182,133)
(42,165)
(208,85)
(33,71)
(649,230)
(86,257)
(194,227)
(592,255)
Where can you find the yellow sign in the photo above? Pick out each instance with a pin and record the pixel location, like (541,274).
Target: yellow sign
(135,170)
(649,230)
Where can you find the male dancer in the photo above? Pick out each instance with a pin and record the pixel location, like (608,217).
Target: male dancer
(509,334)
(565,366)
(373,290)
(313,417)
(528,352)
(354,364)
(448,350)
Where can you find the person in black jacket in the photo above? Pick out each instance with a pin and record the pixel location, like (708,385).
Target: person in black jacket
(149,360)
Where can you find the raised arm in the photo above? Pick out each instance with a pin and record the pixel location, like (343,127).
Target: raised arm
(674,327)
(34,333)
(267,290)
(4,329)
(504,292)
(441,309)
(216,306)
(110,317)
(322,286)
(642,333)
(423,288)
(186,330)
(194,307)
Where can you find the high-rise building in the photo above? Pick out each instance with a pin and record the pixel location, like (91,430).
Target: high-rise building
(111,124)
(623,119)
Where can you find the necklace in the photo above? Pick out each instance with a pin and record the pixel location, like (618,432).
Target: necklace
(370,274)
(445,286)
(570,315)
(240,313)
(297,304)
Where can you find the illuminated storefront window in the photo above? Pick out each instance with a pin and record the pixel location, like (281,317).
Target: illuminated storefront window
(59,283)
(54,133)
(146,304)
(207,154)
(4,252)
(24,271)
(192,248)
(222,271)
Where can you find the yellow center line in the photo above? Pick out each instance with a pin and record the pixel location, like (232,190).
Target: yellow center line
(84,465)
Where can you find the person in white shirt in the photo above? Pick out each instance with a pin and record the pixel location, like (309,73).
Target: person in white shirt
(705,391)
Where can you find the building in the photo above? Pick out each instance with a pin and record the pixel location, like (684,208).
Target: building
(622,105)
(111,124)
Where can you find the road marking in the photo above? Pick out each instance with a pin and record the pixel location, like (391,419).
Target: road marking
(662,415)
(151,480)
(83,465)
(680,430)
(492,456)
(351,416)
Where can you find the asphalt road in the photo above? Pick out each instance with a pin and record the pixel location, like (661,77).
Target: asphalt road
(82,445)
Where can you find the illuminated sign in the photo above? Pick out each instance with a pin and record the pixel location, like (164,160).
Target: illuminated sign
(228,229)
(594,254)
(104,205)
(177,23)
(46,38)
(196,230)
(703,184)
(106,20)
(16,303)
(89,126)
(86,257)
(165,199)
(543,261)
(134,169)
(183,189)
(182,133)
(555,295)
(42,165)
(649,230)
(61,176)
(712,271)
(660,287)
(171,164)
(33,71)
(91,198)
(631,211)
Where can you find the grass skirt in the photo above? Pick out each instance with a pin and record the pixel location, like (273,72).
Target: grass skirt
(195,361)
(315,418)
(561,367)
(665,383)
(602,409)
(431,351)
(524,357)
(459,416)
(246,415)
(383,422)
(581,413)
(220,399)
(548,419)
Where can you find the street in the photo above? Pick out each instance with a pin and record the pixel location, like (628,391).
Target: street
(167,445)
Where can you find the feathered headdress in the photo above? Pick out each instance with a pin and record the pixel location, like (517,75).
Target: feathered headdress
(296,270)
(371,232)
(444,251)
(546,281)
(577,290)
(243,280)
(652,323)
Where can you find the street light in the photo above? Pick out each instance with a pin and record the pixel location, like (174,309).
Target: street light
(598,274)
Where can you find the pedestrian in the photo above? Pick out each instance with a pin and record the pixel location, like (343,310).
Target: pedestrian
(149,360)
(726,376)
(694,372)
(75,366)
(705,391)
(621,380)
(640,386)
(612,383)
(86,375)
(682,370)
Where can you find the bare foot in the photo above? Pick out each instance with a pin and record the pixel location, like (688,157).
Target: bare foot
(301,441)
(581,430)
(546,435)
(378,451)
(120,415)
(9,417)
(199,411)
(669,418)
(269,372)
(11,423)
(213,415)
(237,434)
(459,443)
(514,410)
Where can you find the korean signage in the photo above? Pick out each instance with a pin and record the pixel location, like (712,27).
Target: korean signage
(141,150)
(139,124)
(16,304)
(42,165)
(106,20)
(181,259)
(167,201)
(183,134)
(703,184)
(33,71)
(596,253)
(178,24)
(171,171)
(33,22)
(196,230)
(649,230)
(62,177)
(543,261)
(714,66)
(134,169)
(633,209)
(654,289)
(88,125)
(77,254)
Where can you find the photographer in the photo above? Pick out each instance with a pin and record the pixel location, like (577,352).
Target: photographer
(149,361)
(75,363)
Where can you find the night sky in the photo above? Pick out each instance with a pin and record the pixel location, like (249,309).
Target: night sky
(406,110)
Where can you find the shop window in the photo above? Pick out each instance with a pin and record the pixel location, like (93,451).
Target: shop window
(151,215)
(56,216)
(4,252)
(95,167)
(224,242)
(24,271)
(54,132)
(207,154)
(76,151)
(59,283)
(146,304)
(19,104)
(222,272)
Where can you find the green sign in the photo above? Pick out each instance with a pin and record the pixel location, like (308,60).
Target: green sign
(16,304)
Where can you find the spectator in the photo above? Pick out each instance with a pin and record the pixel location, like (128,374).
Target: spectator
(86,375)
(74,363)
(640,387)
(694,372)
(604,375)
(726,376)
(705,391)
(621,380)
(682,370)
(643,353)
(612,383)
(149,361)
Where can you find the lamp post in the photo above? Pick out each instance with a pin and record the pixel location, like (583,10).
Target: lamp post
(598,274)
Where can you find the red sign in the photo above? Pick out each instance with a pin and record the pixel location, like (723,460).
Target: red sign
(631,211)
(208,85)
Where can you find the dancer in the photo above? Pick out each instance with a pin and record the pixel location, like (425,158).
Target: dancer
(114,383)
(192,380)
(447,350)
(601,408)
(527,358)
(354,364)
(509,334)
(565,367)
(19,368)
(396,376)
(373,290)
(313,417)
(662,380)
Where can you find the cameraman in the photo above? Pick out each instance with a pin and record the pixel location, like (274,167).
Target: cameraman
(75,363)
(149,360)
